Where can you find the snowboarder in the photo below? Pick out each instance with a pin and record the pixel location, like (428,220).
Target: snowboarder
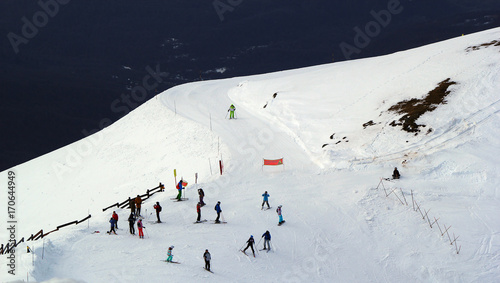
(201,193)
(131,222)
(157,207)
(207,258)
(179,188)
(395,174)
(169,253)
(231,111)
(198,210)
(131,203)
(278,210)
(112,221)
(266,200)
(138,202)
(140,227)
(250,244)
(115,217)
(219,210)
(267,239)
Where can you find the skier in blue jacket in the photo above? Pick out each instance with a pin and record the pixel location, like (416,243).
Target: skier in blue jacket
(112,221)
(267,239)
(266,200)
(179,188)
(219,210)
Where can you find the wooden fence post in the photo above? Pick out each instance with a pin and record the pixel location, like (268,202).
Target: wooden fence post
(397,196)
(412,201)
(403,195)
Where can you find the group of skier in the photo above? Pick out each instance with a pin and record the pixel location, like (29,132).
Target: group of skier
(251,242)
(265,200)
(206,256)
(201,203)
(135,216)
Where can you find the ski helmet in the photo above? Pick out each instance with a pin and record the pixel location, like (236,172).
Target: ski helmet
(251,236)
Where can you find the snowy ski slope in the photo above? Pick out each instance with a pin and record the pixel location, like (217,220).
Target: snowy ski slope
(339,226)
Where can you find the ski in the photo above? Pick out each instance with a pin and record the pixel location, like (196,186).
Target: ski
(267,208)
(279,224)
(182,199)
(95,232)
(164,260)
(204,220)
(220,222)
(246,253)
(208,270)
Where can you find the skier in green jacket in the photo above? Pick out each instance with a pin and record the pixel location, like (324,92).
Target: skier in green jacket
(231,111)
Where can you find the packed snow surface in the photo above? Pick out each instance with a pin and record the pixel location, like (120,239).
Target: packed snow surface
(340,226)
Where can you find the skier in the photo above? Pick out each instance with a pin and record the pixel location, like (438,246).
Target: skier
(207,258)
(131,222)
(278,210)
(131,203)
(112,221)
(231,111)
(266,200)
(250,244)
(115,217)
(267,239)
(157,207)
(395,174)
(169,253)
(138,202)
(219,210)
(179,188)
(198,209)
(140,227)
(201,193)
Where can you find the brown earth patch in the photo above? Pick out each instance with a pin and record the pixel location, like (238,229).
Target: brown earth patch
(414,108)
(484,45)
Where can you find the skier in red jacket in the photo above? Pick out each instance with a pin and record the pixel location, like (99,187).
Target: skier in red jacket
(140,227)
(198,210)
(157,207)
(115,217)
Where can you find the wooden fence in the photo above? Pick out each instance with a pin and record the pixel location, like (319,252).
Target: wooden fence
(398,193)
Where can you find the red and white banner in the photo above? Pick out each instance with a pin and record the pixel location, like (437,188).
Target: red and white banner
(273,162)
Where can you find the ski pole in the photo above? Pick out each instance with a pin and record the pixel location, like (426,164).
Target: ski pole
(226,115)
(241,249)
(259,242)
(146,231)
(222,216)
